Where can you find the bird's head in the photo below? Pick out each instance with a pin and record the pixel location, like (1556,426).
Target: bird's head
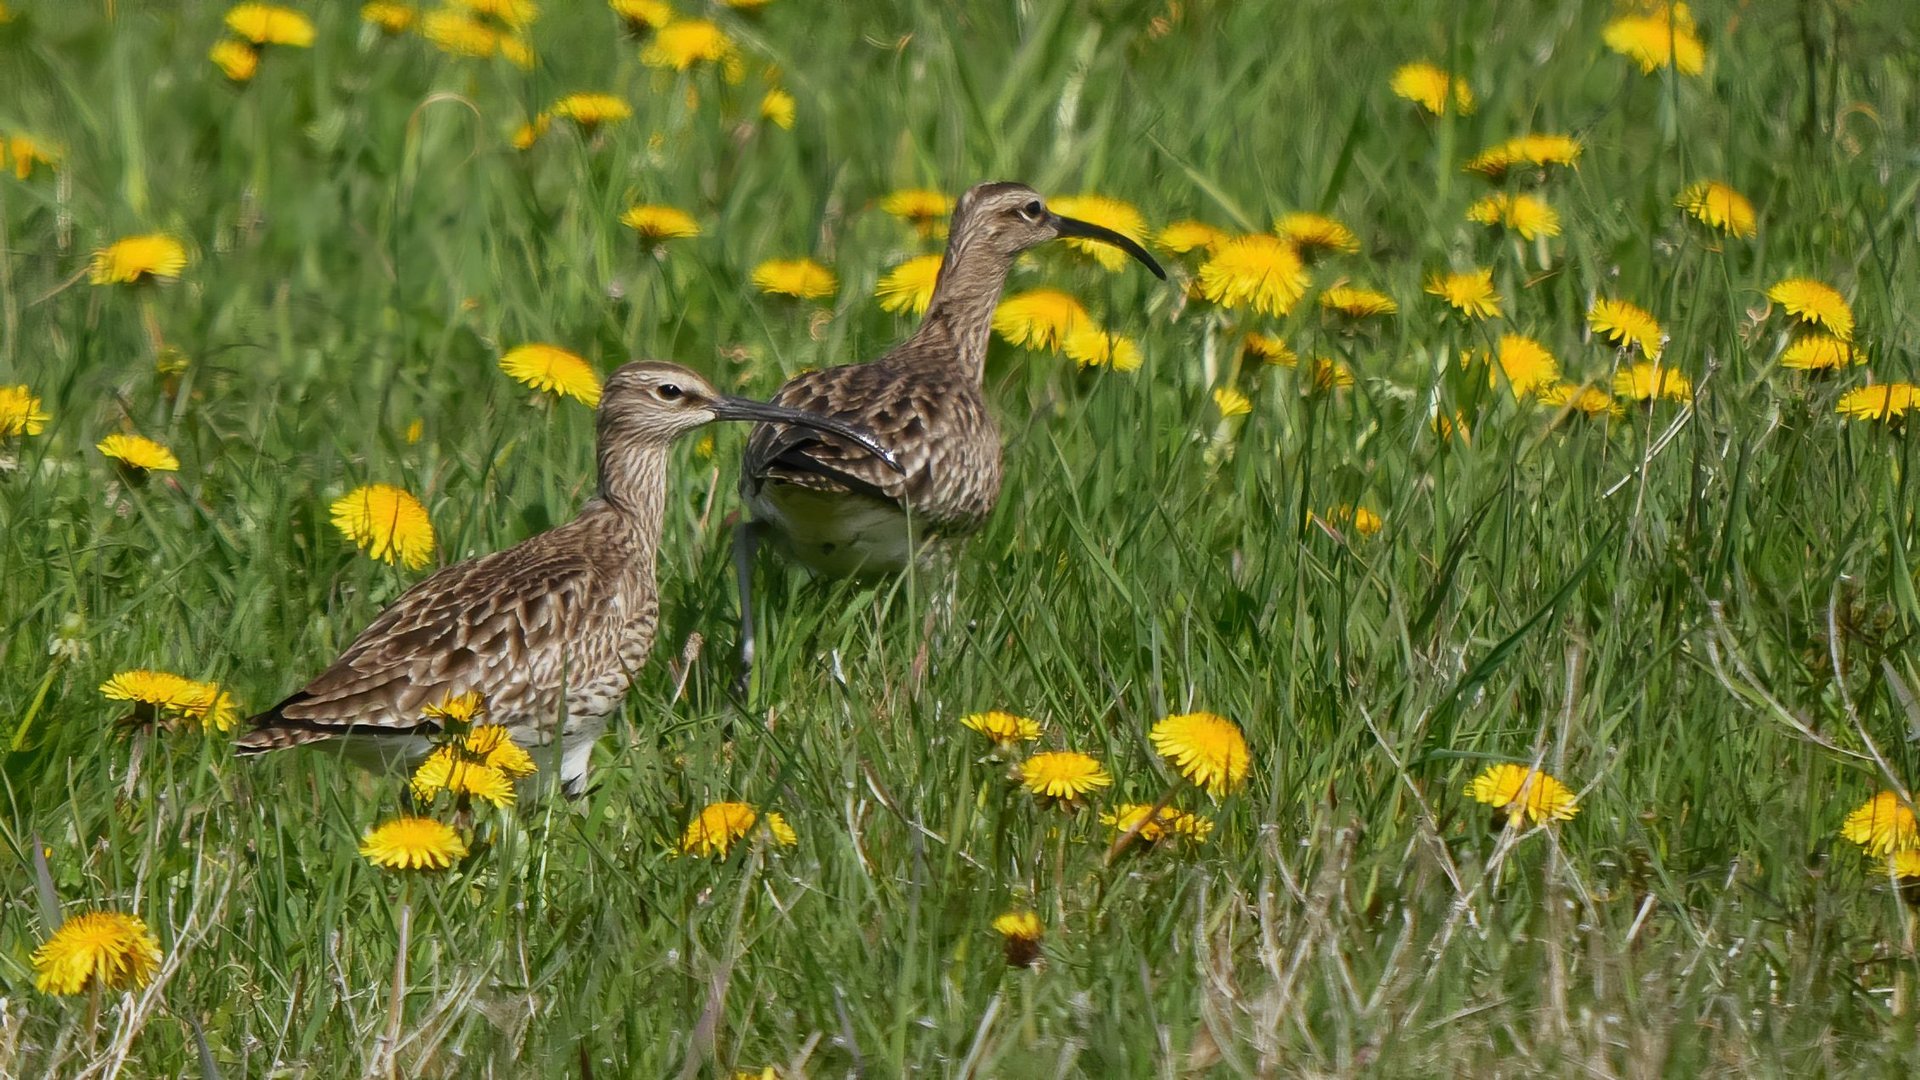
(653,402)
(1009,218)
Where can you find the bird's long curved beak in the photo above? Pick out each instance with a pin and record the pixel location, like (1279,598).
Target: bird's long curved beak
(1087,230)
(739,408)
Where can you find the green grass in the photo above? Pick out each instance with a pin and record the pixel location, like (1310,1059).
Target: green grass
(1700,617)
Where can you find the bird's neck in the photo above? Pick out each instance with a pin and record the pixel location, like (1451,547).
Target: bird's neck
(633,487)
(960,314)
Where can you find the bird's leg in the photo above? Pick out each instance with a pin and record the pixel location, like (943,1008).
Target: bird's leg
(746,539)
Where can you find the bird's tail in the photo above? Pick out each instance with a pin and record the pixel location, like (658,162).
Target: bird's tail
(274,730)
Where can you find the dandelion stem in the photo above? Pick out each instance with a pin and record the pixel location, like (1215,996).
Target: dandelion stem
(388,1053)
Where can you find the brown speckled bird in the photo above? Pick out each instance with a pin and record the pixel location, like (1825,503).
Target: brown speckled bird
(831,504)
(555,625)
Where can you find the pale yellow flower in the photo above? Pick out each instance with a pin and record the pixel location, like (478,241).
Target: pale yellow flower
(1719,206)
(1429,86)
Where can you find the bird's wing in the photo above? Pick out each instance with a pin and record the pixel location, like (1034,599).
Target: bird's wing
(925,423)
(510,625)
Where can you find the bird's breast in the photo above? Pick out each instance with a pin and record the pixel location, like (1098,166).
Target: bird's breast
(839,534)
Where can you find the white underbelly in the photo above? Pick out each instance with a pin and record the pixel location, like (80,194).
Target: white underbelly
(839,535)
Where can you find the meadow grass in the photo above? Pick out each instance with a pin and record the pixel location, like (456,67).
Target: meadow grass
(1699,615)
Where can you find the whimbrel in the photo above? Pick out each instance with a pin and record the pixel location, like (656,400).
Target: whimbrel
(551,630)
(830,503)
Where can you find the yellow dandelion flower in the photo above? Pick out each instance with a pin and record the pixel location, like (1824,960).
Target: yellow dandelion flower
(458,33)
(237,60)
(270,24)
(1207,749)
(1590,400)
(1883,825)
(1451,427)
(138,258)
(1088,346)
(1264,272)
(778,108)
(1167,822)
(1719,206)
(1537,150)
(1627,324)
(684,43)
(1231,402)
(1471,293)
(1270,349)
(162,697)
(1904,865)
(1820,352)
(1526,364)
(1121,217)
(926,210)
(415,429)
(389,17)
(551,369)
(105,950)
(1357,303)
(518,14)
(1331,374)
(1020,933)
(1523,793)
(1429,85)
(1646,381)
(1040,319)
(1019,924)
(657,224)
(1003,728)
(446,769)
(1814,302)
(642,16)
(718,826)
(591,110)
(803,279)
(139,452)
(531,132)
(908,288)
(1184,236)
(387,522)
(1063,775)
(28,152)
(20,412)
(413,843)
(493,746)
(1310,233)
(517,51)
(1364,521)
(1528,215)
(1658,40)
(1887,403)
(460,709)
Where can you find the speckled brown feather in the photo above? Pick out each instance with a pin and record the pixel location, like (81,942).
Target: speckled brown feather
(569,612)
(939,428)
(922,400)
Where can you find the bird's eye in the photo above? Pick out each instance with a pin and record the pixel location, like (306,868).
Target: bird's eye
(669,392)
(1033,210)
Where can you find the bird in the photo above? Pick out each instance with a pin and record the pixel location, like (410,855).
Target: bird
(550,631)
(832,505)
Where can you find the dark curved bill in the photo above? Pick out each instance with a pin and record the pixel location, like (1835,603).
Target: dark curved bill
(739,408)
(1087,230)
